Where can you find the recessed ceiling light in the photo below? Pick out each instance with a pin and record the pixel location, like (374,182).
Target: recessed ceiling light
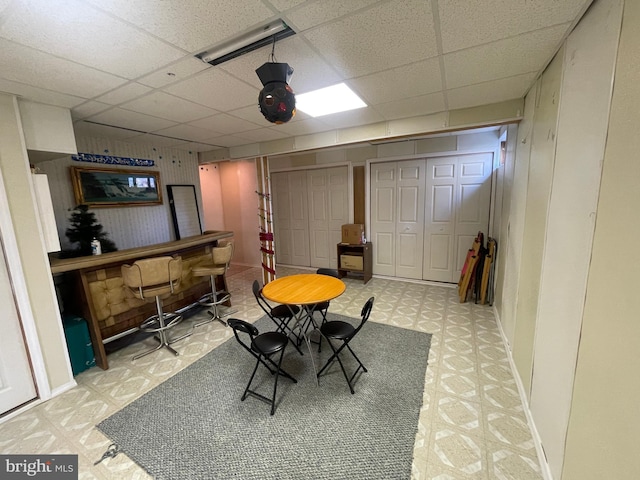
(334,99)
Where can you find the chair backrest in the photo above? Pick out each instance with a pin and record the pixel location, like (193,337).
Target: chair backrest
(245,327)
(222,255)
(153,276)
(366,311)
(328,271)
(257,292)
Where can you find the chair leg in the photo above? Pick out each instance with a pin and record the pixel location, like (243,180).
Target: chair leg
(275,384)
(336,356)
(278,370)
(162,338)
(215,303)
(255,369)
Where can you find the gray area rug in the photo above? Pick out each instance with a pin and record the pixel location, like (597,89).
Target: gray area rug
(194,426)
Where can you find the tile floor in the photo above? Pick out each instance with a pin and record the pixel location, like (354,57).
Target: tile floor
(471,426)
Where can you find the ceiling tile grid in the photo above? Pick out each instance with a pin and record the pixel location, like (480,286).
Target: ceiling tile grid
(131,65)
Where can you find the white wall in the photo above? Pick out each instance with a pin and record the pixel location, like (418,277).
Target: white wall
(128,227)
(558,165)
(604,427)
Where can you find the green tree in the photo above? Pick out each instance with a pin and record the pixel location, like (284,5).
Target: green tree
(83,229)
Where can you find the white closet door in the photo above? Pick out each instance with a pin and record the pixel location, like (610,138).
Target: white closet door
(458,201)
(299,219)
(328,211)
(383,217)
(440,213)
(16,382)
(410,218)
(283,237)
(473,202)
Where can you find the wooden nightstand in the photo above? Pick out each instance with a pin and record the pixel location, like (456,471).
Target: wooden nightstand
(355,259)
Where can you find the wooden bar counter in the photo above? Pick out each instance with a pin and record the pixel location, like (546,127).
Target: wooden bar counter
(99,295)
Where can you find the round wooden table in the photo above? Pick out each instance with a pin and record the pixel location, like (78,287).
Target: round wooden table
(304,289)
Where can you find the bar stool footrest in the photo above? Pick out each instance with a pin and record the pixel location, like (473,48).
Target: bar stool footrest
(152,324)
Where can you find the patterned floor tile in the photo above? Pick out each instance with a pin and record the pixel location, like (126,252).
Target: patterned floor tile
(471,424)
(465,415)
(457,452)
(509,429)
(510,464)
(464,386)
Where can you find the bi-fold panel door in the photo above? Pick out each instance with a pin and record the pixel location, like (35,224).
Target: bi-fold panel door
(397,217)
(458,199)
(426,212)
(309,209)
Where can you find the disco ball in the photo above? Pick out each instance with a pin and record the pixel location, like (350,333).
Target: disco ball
(277,102)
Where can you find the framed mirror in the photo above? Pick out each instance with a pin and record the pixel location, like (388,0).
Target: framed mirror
(184,210)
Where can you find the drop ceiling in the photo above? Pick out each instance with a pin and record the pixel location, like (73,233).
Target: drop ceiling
(127,69)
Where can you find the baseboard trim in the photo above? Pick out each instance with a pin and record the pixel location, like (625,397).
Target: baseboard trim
(542,459)
(63,388)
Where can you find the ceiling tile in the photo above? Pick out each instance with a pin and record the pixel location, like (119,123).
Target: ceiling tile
(38,94)
(217,89)
(224,124)
(252,114)
(317,13)
(4,4)
(302,127)
(352,118)
(412,107)
(196,147)
(490,92)
(310,71)
(505,58)
(401,82)
(383,37)
(123,94)
(282,5)
(119,117)
(87,109)
(59,27)
(84,129)
(465,24)
(25,65)
(226,141)
(174,72)
(154,141)
(262,135)
(163,105)
(187,132)
(190,24)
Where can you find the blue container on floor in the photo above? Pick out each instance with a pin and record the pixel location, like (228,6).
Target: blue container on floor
(78,343)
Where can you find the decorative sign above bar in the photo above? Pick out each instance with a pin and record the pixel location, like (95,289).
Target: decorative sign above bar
(111,160)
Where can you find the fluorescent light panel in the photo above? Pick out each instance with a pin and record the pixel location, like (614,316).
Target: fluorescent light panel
(334,99)
(252,40)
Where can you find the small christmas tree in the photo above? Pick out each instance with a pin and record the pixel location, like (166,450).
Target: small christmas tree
(84,228)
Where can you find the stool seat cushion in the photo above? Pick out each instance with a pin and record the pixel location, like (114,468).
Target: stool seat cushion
(337,329)
(269,343)
(208,269)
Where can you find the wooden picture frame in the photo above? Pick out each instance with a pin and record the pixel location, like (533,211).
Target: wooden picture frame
(111,187)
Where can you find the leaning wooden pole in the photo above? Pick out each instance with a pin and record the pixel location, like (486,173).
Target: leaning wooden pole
(267,246)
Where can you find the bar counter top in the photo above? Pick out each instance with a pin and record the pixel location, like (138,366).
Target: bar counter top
(96,290)
(61,265)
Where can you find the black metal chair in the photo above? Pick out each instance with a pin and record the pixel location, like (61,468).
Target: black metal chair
(344,332)
(262,346)
(280,314)
(321,307)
